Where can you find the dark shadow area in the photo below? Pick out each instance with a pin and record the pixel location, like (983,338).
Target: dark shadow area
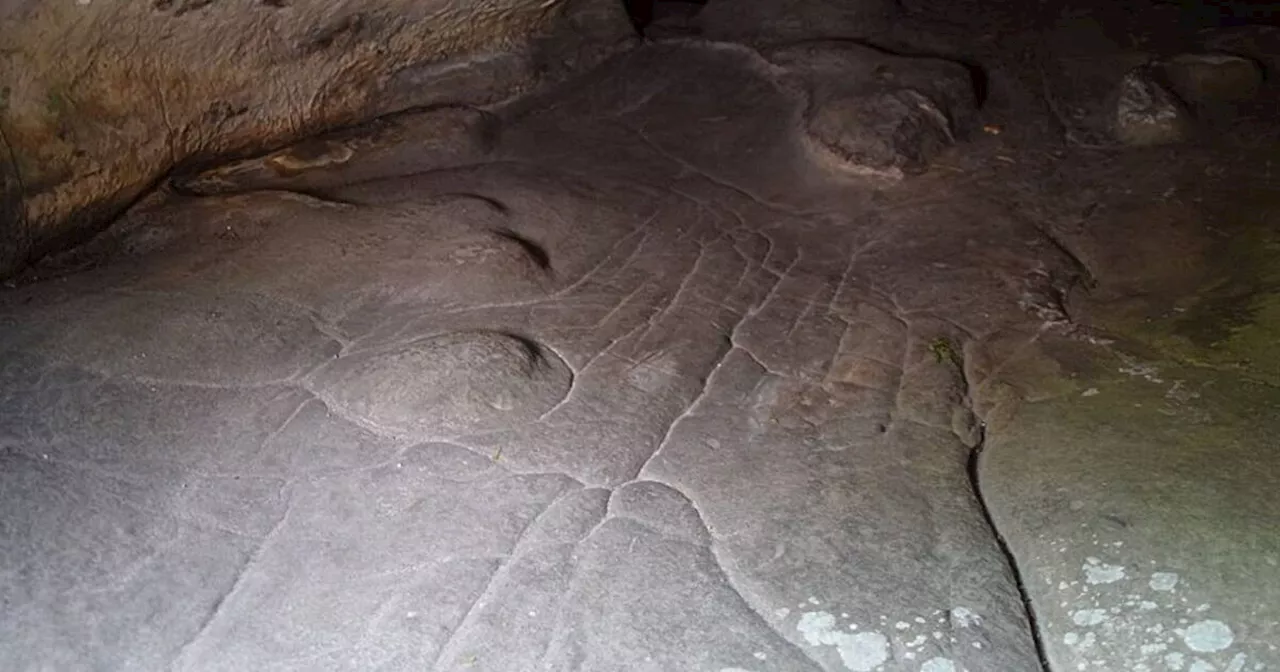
(645,13)
(535,251)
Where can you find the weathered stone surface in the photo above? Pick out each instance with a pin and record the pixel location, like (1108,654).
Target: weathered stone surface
(888,136)
(432,139)
(1257,42)
(1212,78)
(471,249)
(874,114)
(101,99)
(1146,113)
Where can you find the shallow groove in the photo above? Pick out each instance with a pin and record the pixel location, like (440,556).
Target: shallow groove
(499,572)
(713,547)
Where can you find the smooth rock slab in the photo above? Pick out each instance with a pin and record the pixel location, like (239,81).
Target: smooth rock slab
(751,383)
(374,568)
(105,571)
(224,339)
(447,384)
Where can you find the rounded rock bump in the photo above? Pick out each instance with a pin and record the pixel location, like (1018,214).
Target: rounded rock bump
(447,384)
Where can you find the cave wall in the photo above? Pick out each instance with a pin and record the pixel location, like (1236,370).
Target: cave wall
(99,99)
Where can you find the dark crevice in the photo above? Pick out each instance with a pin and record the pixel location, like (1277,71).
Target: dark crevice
(497,206)
(973,469)
(643,13)
(13,192)
(182,190)
(535,354)
(536,252)
(69,250)
(979,78)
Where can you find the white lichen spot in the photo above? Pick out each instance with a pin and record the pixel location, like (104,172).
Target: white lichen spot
(1208,636)
(1146,372)
(1163,581)
(1089,640)
(1202,608)
(1152,649)
(761,655)
(1089,392)
(1071,639)
(814,601)
(918,640)
(1147,605)
(965,617)
(860,652)
(782,613)
(815,625)
(1096,572)
(864,651)
(1237,663)
(1201,666)
(938,665)
(901,625)
(1087,617)
(1175,661)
